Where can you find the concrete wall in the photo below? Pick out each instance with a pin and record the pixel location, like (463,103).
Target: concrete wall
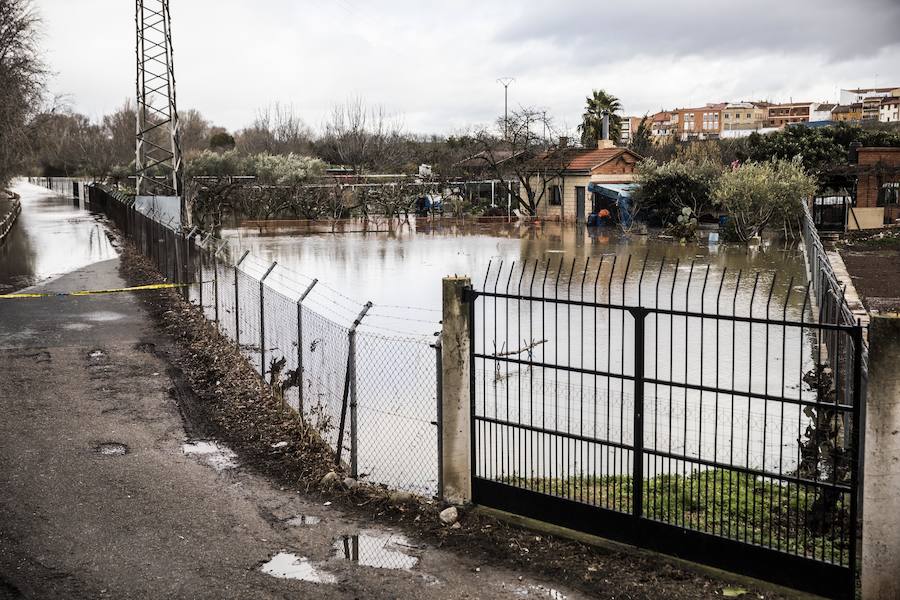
(566,211)
(881,482)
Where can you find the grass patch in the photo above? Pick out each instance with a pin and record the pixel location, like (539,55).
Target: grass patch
(737,506)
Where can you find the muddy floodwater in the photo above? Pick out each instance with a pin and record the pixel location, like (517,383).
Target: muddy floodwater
(403,267)
(53,236)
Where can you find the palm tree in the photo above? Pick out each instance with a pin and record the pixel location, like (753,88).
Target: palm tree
(592,122)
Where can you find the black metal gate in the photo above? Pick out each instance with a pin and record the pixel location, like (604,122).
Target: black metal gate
(682,408)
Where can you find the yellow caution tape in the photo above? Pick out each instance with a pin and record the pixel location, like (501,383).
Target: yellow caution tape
(139,288)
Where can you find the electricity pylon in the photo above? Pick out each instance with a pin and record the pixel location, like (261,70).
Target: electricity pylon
(158,148)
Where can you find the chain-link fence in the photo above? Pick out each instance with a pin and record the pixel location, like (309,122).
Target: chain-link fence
(370,389)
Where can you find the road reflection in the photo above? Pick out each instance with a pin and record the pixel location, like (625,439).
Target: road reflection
(53,236)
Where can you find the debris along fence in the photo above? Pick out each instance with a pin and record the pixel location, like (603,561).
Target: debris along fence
(683,408)
(369,388)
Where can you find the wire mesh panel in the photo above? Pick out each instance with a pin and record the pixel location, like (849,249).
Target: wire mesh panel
(397,397)
(281,344)
(324,383)
(248,317)
(672,398)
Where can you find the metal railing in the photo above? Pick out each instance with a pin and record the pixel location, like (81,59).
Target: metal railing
(9,219)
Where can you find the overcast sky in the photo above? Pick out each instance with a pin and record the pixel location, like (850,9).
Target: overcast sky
(436,62)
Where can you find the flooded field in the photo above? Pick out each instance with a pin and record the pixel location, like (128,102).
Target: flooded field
(400,271)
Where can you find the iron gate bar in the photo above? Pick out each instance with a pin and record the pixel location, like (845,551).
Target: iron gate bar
(671,312)
(496,477)
(762,562)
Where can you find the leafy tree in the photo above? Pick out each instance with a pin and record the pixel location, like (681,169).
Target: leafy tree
(598,103)
(668,188)
(642,138)
(757,195)
(221,141)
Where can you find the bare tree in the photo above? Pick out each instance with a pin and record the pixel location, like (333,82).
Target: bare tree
(525,164)
(361,137)
(277,129)
(22,75)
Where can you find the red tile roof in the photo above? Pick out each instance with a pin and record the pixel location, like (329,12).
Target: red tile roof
(585,159)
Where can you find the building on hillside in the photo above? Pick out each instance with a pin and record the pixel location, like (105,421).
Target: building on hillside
(858,95)
(577,191)
(877,188)
(780,115)
(744,116)
(663,126)
(889,112)
(629,126)
(700,123)
(821,112)
(849,113)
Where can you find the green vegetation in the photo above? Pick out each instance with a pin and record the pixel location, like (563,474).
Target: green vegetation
(756,195)
(599,102)
(728,504)
(281,169)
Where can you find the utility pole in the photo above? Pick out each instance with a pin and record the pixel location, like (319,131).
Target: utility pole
(157,140)
(505,81)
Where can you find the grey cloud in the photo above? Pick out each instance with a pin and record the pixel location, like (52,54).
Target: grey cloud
(591,31)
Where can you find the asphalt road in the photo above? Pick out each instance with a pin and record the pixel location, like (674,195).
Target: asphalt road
(80,372)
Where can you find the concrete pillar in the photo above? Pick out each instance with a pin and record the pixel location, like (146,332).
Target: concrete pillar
(881,482)
(456,449)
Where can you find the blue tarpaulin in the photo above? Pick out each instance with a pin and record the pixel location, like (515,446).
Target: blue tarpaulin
(613,191)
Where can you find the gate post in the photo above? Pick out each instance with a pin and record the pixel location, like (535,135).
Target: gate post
(637,469)
(456,390)
(881,464)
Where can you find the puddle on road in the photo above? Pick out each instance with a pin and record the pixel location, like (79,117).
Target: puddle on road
(111,449)
(214,454)
(372,548)
(289,566)
(103,316)
(303,520)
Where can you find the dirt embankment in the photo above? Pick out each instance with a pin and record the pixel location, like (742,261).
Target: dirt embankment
(223,397)
(873,261)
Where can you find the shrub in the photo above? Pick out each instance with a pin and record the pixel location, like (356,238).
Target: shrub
(666,189)
(757,195)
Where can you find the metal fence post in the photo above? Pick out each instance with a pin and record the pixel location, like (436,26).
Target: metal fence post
(300,345)
(262,323)
(350,398)
(637,479)
(237,302)
(439,414)
(215,257)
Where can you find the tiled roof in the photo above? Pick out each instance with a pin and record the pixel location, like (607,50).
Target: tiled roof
(585,159)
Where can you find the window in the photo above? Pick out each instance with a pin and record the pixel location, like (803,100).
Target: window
(555,195)
(889,194)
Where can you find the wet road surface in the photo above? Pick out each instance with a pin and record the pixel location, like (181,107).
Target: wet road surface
(52,236)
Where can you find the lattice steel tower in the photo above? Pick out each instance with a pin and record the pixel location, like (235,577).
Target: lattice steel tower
(158,150)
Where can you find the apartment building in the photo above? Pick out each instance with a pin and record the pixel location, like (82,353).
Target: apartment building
(889,111)
(744,116)
(780,115)
(860,94)
(851,113)
(663,125)
(700,123)
(629,125)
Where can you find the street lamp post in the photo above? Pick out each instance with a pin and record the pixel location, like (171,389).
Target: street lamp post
(505,81)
